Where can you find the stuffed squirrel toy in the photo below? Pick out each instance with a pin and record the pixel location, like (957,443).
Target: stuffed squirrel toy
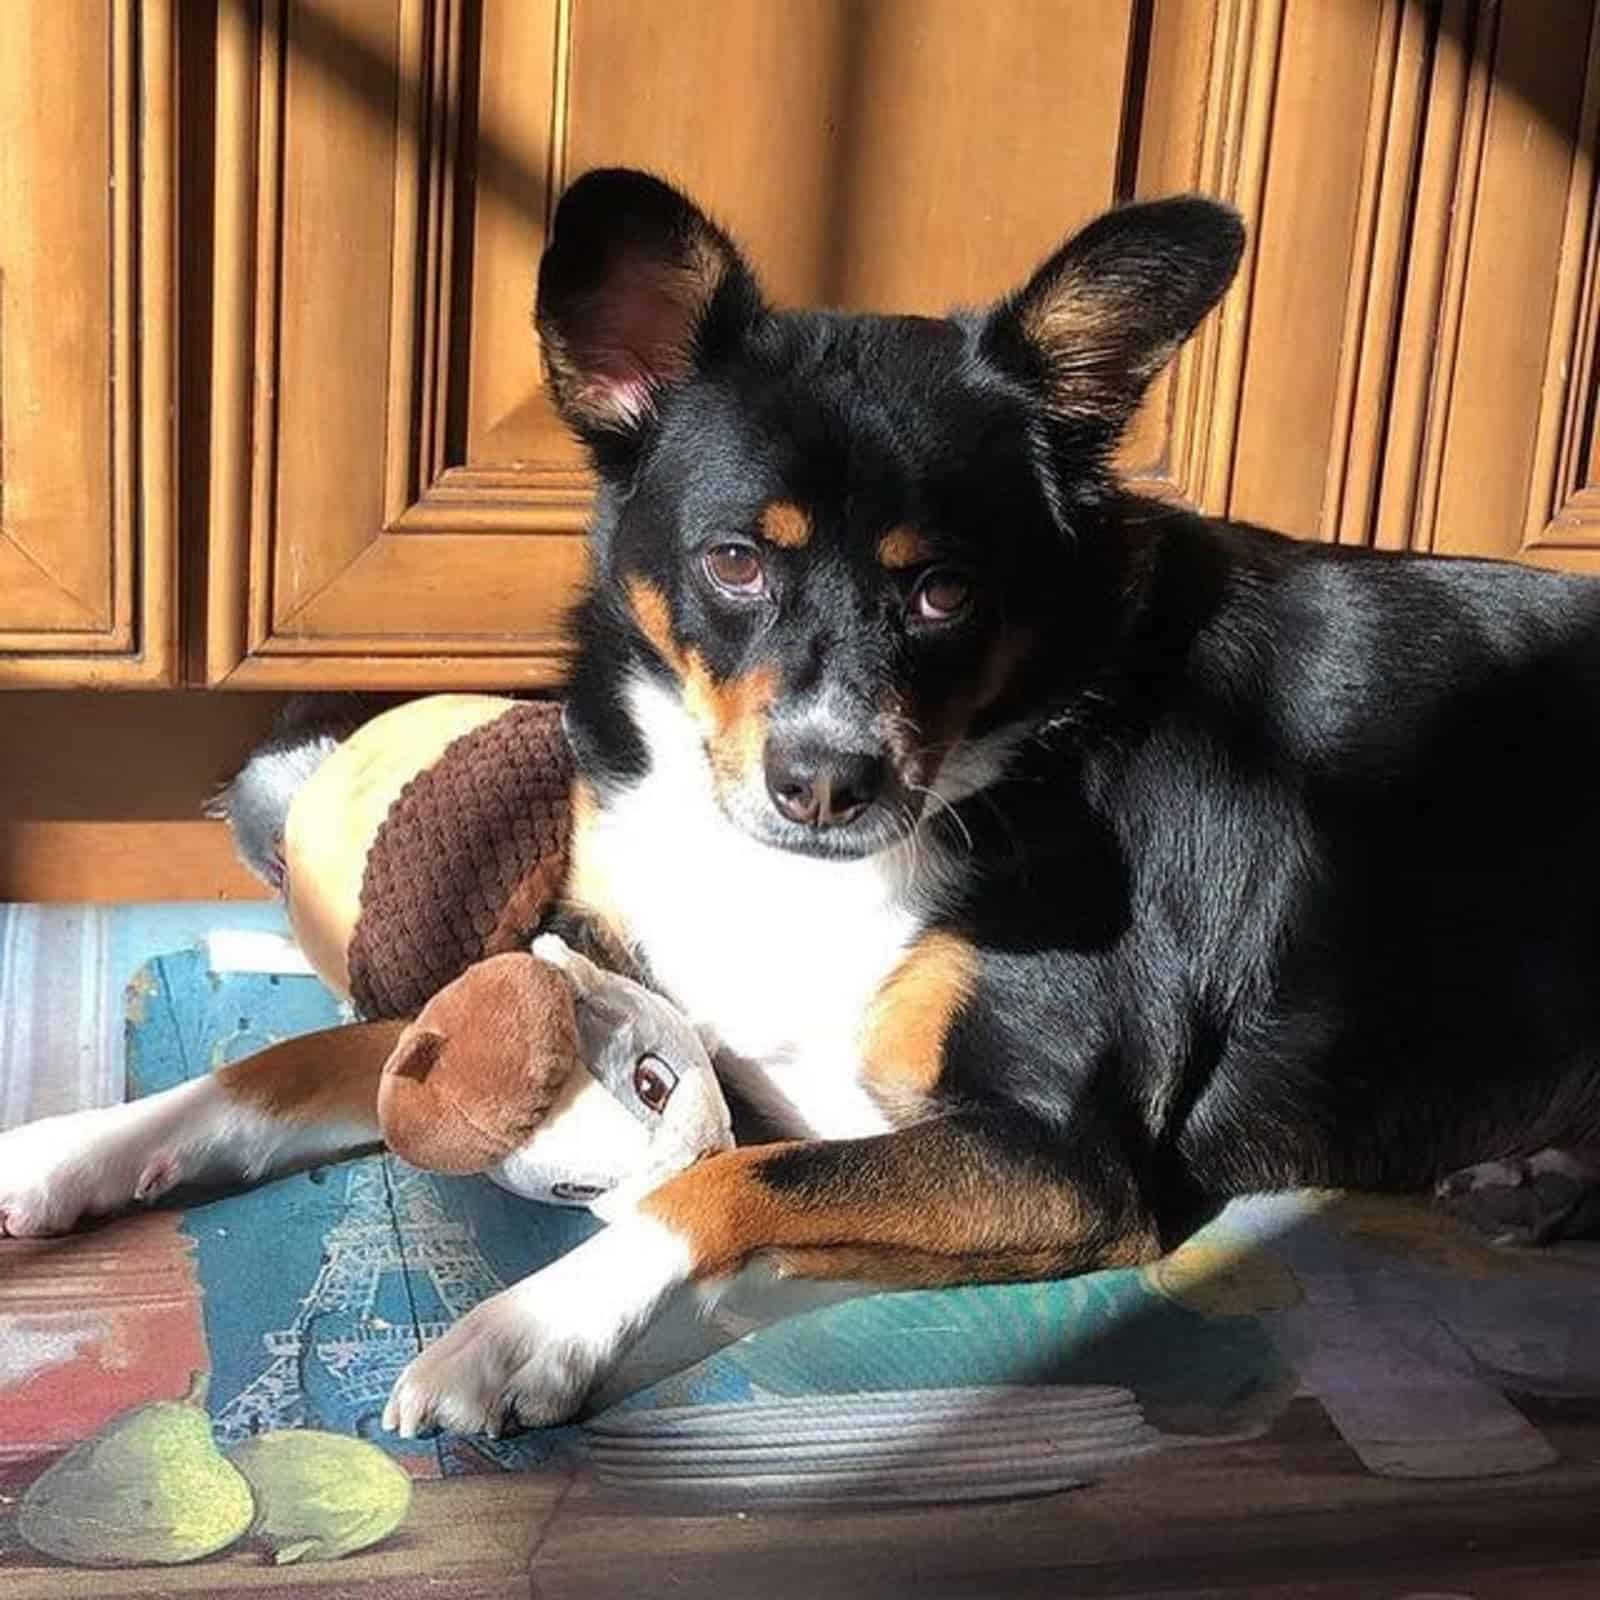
(417,857)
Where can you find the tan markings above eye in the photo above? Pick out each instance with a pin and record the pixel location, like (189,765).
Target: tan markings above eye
(903,547)
(735,568)
(941,596)
(653,1082)
(785,524)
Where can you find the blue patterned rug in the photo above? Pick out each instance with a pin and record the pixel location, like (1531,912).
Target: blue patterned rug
(306,1297)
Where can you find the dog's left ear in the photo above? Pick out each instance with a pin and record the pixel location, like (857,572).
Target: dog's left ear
(1111,307)
(637,290)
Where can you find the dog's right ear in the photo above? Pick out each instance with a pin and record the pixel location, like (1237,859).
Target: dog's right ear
(637,290)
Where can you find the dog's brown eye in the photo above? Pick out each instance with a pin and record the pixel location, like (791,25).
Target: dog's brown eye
(941,596)
(653,1082)
(735,568)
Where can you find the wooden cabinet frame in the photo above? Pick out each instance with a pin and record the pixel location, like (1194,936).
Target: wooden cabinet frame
(129,635)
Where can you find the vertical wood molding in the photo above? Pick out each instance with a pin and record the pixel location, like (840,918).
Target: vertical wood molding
(411,288)
(1233,165)
(424,589)
(230,510)
(155,582)
(1230,145)
(1492,395)
(429,485)
(1436,273)
(125,411)
(260,328)
(560,95)
(1377,281)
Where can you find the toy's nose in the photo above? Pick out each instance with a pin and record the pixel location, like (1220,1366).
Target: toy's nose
(822,788)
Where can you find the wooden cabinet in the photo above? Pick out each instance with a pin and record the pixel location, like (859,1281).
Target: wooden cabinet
(1407,358)
(87,591)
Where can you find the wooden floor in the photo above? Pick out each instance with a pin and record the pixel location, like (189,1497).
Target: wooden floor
(1292,1517)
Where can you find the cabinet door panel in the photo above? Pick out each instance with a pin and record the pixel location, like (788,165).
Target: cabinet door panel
(86,571)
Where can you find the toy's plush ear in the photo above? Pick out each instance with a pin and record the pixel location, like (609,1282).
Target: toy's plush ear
(1111,307)
(416,1055)
(637,290)
(584,976)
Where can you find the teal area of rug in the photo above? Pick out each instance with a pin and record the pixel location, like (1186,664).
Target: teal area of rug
(318,1288)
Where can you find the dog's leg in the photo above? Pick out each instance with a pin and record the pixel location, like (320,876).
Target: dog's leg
(299,1101)
(958,1200)
(1528,1200)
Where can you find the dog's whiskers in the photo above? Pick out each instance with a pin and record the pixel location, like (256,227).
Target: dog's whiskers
(908,833)
(946,809)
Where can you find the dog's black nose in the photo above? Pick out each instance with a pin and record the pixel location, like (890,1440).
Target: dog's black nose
(822,788)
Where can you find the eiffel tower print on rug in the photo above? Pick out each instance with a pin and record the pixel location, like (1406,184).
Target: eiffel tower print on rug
(317,1286)
(340,1340)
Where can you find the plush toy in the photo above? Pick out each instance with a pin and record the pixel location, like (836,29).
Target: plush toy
(417,857)
(563,1082)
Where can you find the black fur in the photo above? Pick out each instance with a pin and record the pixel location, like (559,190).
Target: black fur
(1289,877)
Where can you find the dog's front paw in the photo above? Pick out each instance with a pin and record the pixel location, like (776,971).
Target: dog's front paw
(57,1170)
(529,1355)
(503,1366)
(1524,1200)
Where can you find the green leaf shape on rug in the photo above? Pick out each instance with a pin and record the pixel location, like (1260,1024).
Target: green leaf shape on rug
(150,1489)
(320,1496)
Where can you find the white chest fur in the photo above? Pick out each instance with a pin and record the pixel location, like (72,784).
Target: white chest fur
(778,955)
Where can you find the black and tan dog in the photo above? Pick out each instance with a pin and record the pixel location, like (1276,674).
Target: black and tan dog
(1051,864)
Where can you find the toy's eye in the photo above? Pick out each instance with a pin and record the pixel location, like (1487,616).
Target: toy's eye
(736,570)
(942,596)
(653,1082)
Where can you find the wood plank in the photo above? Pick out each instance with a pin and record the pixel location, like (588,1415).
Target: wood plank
(329,264)
(57,128)
(104,862)
(483,591)
(106,803)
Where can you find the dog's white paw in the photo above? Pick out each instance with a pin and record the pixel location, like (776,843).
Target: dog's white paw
(501,1367)
(58,1170)
(528,1356)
